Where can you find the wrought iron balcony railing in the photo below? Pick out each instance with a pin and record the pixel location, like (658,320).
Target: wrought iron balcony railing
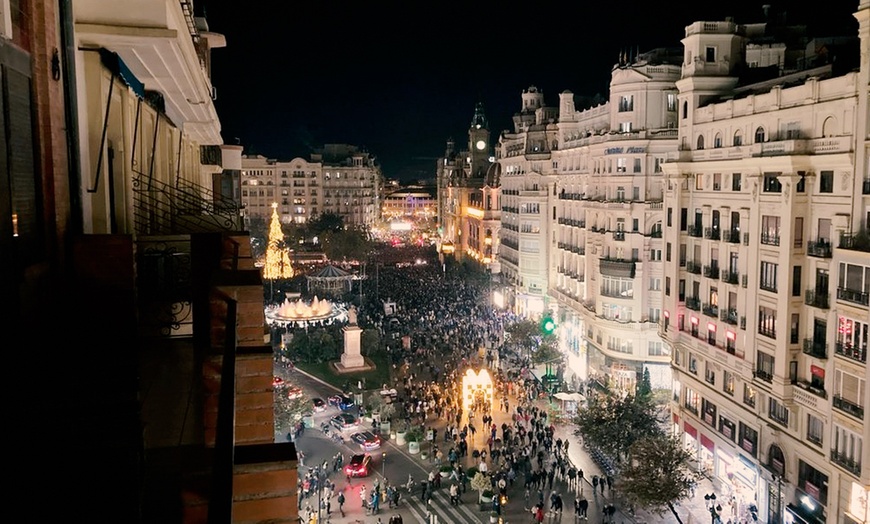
(729,315)
(855,242)
(853,295)
(858,354)
(710,310)
(695,230)
(711,271)
(848,406)
(693,267)
(817,298)
(693,303)
(731,277)
(815,348)
(162,209)
(846,462)
(713,233)
(820,248)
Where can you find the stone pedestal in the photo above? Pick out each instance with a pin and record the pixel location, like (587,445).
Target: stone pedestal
(351,357)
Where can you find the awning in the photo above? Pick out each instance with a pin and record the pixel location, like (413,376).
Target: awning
(690,430)
(113,62)
(707,443)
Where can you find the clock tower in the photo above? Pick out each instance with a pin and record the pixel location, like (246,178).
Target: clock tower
(478,143)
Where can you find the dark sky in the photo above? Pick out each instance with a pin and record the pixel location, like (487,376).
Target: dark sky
(399,82)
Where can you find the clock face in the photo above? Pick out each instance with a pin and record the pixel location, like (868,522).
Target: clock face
(481,144)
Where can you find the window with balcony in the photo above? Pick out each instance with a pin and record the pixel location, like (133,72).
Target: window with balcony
(768,276)
(851,338)
(815,429)
(849,392)
(764,366)
(767,322)
(616,287)
(778,412)
(770,230)
(853,284)
(693,364)
(847,449)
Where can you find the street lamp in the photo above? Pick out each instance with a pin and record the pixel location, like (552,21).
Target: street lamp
(384,465)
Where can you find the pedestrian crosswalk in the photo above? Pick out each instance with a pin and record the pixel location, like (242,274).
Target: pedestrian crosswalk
(440,507)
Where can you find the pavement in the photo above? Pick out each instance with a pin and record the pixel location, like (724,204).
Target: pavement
(413,509)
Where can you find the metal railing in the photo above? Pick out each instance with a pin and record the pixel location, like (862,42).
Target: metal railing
(162,209)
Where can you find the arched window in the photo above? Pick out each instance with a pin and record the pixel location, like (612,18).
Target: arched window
(717,141)
(738,138)
(829,127)
(759,135)
(700,142)
(776,460)
(685,110)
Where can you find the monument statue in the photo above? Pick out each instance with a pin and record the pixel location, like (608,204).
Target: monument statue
(351,316)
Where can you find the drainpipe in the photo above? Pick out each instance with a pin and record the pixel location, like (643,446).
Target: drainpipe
(67,35)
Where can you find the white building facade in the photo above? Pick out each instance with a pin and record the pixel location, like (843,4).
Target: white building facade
(767,273)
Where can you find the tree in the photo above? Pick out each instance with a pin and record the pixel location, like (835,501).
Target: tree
(325,222)
(613,422)
(277,265)
(289,411)
(644,387)
(656,477)
(350,244)
(481,483)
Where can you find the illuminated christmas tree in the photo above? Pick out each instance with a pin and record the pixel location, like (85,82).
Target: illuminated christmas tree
(278,264)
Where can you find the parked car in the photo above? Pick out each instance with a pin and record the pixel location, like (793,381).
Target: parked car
(318,404)
(358,465)
(344,421)
(367,440)
(294,392)
(342,402)
(277,381)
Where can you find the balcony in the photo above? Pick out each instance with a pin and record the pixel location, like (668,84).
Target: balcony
(851,352)
(763,375)
(770,239)
(732,237)
(849,407)
(693,303)
(619,235)
(730,277)
(815,348)
(710,310)
(695,231)
(711,271)
(854,296)
(844,461)
(728,316)
(855,242)
(616,267)
(694,268)
(815,390)
(713,233)
(817,298)
(820,248)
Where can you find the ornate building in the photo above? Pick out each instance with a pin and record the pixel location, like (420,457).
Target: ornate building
(339,179)
(767,266)
(468,197)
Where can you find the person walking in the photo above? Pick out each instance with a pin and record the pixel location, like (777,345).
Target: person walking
(341,502)
(581,506)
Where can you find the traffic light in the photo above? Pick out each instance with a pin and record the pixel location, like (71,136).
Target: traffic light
(548,325)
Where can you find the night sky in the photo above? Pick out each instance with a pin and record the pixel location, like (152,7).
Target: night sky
(399,82)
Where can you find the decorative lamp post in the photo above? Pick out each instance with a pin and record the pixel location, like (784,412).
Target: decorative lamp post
(710,501)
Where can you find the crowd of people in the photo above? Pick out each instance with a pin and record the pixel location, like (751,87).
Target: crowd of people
(443,325)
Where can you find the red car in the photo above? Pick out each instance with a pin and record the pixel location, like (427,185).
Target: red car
(358,466)
(277,381)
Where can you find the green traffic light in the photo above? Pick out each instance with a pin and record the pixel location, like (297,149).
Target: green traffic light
(549,325)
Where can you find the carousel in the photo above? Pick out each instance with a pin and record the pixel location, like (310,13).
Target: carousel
(331,281)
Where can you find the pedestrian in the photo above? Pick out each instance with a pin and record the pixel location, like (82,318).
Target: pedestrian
(582,506)
(341,502)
